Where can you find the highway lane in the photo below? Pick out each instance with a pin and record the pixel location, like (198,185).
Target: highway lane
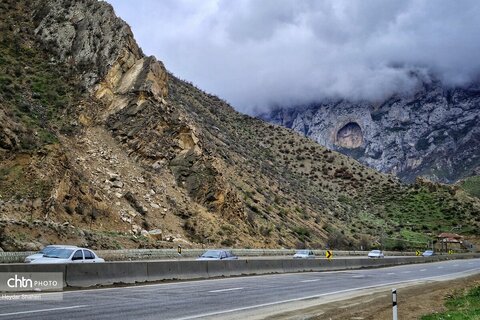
(227,298)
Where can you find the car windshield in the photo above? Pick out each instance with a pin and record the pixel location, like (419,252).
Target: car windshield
(375,251)
(59,253)
(428,251)
(211,254)
(47,250)
(302,252)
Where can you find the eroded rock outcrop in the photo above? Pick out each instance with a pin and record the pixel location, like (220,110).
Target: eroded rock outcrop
(134,91)
(434,133)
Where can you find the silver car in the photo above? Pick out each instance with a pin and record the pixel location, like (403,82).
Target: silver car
(217,255)
(69,255)
(376,254)
(304,254)
(428,253)
(46,250)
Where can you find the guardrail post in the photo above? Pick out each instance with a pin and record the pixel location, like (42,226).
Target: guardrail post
(394,304)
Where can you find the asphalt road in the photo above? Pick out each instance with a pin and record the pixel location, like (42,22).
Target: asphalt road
(230,298)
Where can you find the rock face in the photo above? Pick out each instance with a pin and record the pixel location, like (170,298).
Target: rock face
(90,36)
(433,133)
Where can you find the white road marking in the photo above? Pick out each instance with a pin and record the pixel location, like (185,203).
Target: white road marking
(225,290)
(390,273)
(198,316)
(423,270)
(197,281)
(41,310)
(312,280)
(358,277)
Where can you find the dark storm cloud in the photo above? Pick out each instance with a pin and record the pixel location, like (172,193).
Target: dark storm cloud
(256,54)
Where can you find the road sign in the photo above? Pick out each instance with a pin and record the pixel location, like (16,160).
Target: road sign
(417,253)
(329,254)
(450,251)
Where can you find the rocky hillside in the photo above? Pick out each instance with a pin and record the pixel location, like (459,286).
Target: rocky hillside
(432,133)
(100,146)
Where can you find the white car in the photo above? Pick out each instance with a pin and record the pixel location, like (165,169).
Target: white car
(304,254)
(376,254)
(69,255)
(45,250)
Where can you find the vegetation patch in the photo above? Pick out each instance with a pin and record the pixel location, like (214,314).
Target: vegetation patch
(462,305)
(472,186)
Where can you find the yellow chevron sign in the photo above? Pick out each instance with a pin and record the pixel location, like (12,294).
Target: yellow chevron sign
(329,254)
(417,253)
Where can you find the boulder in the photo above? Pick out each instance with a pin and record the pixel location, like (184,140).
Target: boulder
(117,184)
(156,234)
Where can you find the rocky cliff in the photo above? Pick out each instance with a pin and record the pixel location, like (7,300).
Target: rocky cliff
(100,146)
(432,133)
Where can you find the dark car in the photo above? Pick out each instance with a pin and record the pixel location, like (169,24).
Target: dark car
(218,255)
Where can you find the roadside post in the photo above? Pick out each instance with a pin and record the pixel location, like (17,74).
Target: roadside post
(394,304)
(179,250)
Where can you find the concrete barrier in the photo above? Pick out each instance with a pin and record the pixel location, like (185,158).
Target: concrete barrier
(101,274)
(192,270)
(93,274)
(160,270)
(14,267)
(225,268)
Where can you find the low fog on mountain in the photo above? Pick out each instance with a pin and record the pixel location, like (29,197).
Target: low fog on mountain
(256,54)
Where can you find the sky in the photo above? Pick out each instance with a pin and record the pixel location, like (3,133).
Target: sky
(259,54)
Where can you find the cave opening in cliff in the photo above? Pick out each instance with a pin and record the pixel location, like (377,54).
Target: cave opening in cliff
(350,136)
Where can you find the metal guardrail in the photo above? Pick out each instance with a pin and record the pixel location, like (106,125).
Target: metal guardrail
(159,254)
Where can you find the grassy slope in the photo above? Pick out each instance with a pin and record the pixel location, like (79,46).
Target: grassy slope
(316,186)
(471,185)
(460,306)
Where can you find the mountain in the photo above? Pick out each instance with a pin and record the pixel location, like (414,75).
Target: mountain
(433,132)
(101,146)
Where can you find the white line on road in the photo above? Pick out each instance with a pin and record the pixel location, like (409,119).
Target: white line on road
(225,290)
(41,310)
(406,271)
(311,280)
(217,313)
(390,273)
(358,277)
(423,270)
